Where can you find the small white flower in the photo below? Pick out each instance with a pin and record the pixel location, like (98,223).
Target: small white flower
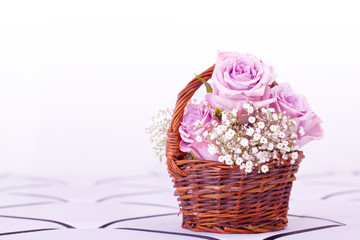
(197,123)
(264,110)
(250,110)
(246,156)
(244,142)
(264,168)
(263,159)
(228,159)
(293,122)
(270,146)
(271,109)
(282,135)
(293,136)
(292,161)
(250,131)
(205,133)
(251,119)
(226,122)
(239,161)
(263,140)
(254,150)
(295,148)
(285,143)
(301,131)
(249,164)
(229,134)
(285,157)
(237,150)
(214,123)
(294,155)
(246,106)
(212,136)
(234,112)
(273,128)
(257,136)
(275,155)
(248,170)
(287,149)
(261,125)
(198,138)
(212,149)
(275,116)
(221,159)
(279,145)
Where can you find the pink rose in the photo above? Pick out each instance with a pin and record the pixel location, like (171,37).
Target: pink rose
(239,78)
(297,107)
(196,115)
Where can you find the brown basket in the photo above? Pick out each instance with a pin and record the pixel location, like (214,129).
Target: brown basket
(219,198)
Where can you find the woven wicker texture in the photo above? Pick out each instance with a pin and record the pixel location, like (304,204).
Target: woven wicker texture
(219,198)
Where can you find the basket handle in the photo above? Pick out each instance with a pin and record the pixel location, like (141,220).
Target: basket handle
(173,136)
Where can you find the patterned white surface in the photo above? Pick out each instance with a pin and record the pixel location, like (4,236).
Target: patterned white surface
(324,205)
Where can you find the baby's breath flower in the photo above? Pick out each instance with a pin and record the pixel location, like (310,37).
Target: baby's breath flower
(294,155)
(254,150)
(256,136)
(261,125)
(251,119)
(244,142)
(273,128)
(197,123)
(282,135)
(205,133)
(264,168)
(293,136)
(250,131)
(275,116)
(279,145)
(270,146)
(263,140)
(249,164)
(229,134)
(212,149)
(239,161)
(198,138)
(301,131)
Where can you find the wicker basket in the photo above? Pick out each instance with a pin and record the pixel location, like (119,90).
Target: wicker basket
(219,198)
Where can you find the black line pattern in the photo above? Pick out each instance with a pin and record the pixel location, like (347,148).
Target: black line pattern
(340,193)
(150,204)
(40,196)
(128,195)
(28,231)
(39,219)
(136,218)
(299,231)
(170,233)
(137,184)
(24,205)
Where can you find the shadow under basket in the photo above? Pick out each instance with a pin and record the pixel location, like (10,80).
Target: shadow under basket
(219,198)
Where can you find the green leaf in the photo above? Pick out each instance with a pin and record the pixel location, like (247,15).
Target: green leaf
(207,85)
(218,112)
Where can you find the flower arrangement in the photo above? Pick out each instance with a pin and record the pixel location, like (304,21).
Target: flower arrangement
(233,155)
(246,120)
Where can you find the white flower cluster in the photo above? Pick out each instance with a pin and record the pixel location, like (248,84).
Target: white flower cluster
(254,139)
(157,130)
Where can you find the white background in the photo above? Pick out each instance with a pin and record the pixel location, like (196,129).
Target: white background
(79,80)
